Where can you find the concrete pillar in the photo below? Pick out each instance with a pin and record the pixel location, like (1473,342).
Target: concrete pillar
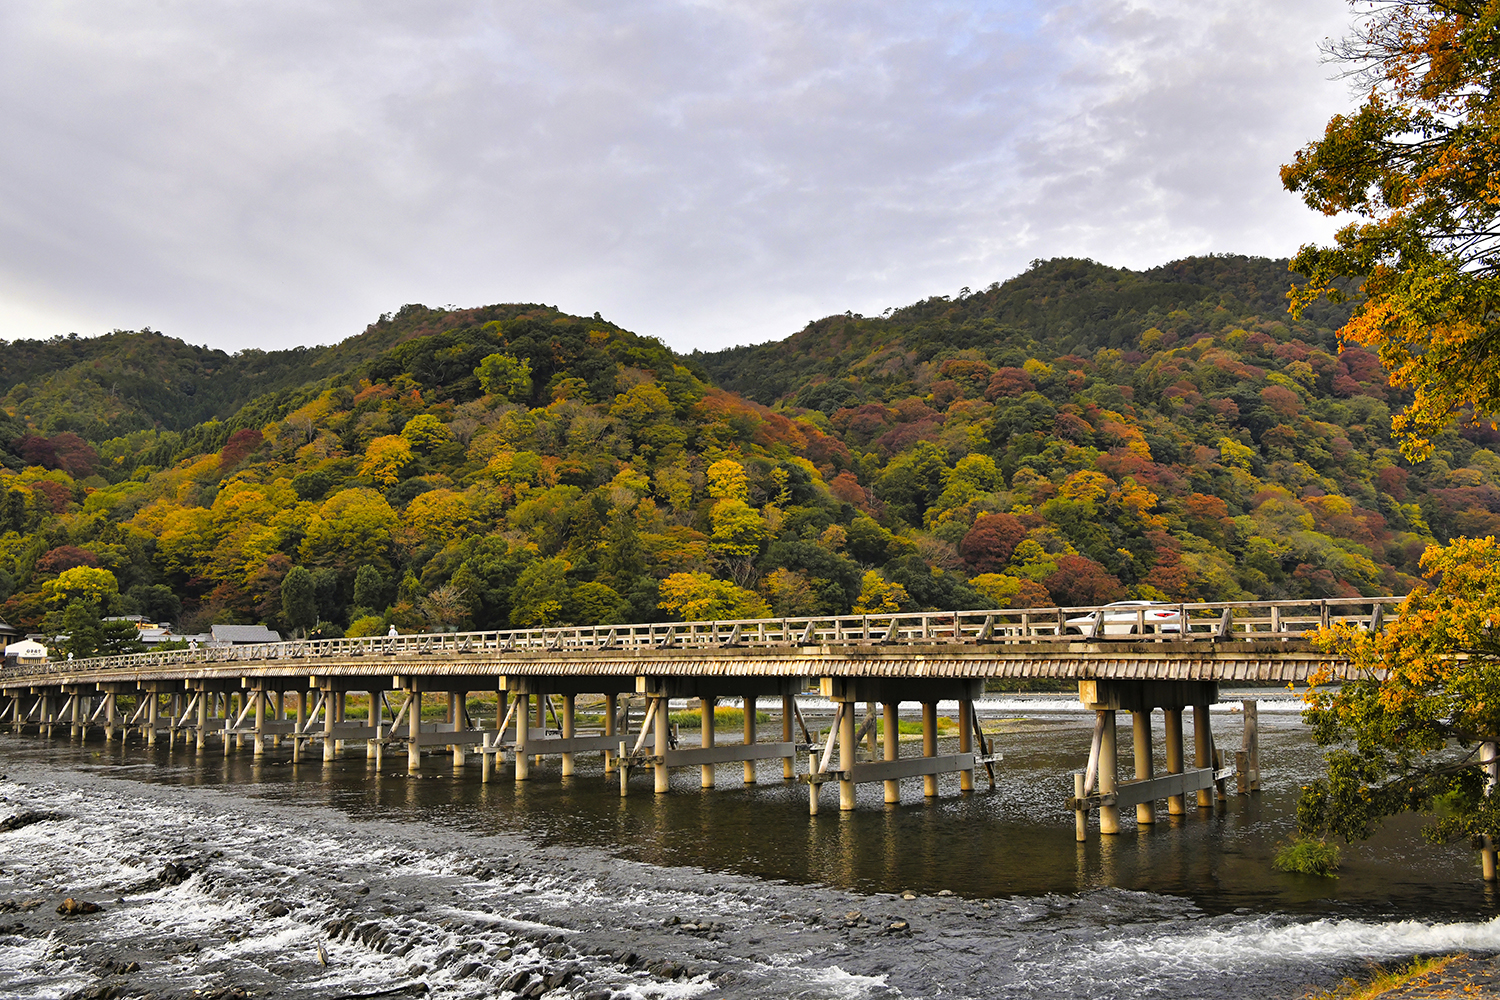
(929,745)
(152,707)
(706,713)
(1109,773)
(871,749)
(330,717)
(523,726)
(301,722)
(459,709)
(965,743)
(1202,746)
(611,712)
(372,748)
(77,719)
(1080,816)
(278,708)
(260,722)
(502,709)
(750,737)
(569,707)
(341,702)
(1490,760)
(892,748)
(788,716)
(847,750)
(663,724)
(109,716)
(414,733)
(1172,724)
(542,701)
(1140,724)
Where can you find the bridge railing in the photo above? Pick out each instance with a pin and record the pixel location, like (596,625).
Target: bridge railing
(1183,622)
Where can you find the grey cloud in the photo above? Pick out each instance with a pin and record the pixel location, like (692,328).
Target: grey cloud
(278,173)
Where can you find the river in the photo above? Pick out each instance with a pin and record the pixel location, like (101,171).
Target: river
(225,878)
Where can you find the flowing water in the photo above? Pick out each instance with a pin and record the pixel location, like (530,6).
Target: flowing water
(223,877)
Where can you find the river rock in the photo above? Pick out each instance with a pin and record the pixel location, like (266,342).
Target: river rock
(71,907)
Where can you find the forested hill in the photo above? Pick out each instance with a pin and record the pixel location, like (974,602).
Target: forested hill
(111,385)
(1057,308)
(1075,435)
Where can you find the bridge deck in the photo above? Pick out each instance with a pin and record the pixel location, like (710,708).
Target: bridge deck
(1234,641)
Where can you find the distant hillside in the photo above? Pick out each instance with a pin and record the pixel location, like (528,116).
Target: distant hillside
(1074,435)
(1058,307)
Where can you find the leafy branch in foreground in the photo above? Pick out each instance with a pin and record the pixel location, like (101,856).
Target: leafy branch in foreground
(1406,735)
(1419,161)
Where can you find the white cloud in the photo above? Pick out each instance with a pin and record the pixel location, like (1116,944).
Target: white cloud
(279,173)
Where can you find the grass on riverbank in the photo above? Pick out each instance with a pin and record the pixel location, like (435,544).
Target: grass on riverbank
(1386,980)
(1306,856)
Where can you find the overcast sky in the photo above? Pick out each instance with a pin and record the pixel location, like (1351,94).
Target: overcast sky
(277,173)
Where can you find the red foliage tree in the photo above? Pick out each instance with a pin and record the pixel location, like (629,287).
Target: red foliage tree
(1079,580)
(239,446)
(988,545)
(65,557)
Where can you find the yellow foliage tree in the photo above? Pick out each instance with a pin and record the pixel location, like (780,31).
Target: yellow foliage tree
(385,457)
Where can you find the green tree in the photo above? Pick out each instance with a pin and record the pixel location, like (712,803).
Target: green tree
(299,599)
(538,596)
(369,589)
(505,375)
(1416,164)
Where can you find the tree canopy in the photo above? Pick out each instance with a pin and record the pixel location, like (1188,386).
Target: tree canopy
(1419,164)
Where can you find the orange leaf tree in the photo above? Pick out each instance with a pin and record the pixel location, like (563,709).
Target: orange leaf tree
(1404,736)
(1419,165)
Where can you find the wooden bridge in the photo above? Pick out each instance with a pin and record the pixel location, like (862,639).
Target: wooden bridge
(1133,658)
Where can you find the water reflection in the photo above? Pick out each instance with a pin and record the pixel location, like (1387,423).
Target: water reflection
(1017,840)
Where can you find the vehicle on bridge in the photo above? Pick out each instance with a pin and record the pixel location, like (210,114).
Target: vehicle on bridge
(1129,618)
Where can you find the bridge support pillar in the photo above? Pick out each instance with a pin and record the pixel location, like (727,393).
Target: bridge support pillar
(611,710)
(788,714)
(569,714)
(78,716)
(749,702)
(376,720)
(1109,772)
(1247,760)
(848,750)
(301,724)
(109,717)
(706,707)
(1140,725)
(929,746)
(543,702)
(153,706)
(1203,743)
(523,724)
(663,735)
(1172,727)
(260,721)
(458,704)
(965,744)
(1489,759)
(892,748)
(414,731)
(330,719)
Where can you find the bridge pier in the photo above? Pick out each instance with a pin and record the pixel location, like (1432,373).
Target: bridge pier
(1140,725)
(706,710)
(847,692)
(1140,697)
